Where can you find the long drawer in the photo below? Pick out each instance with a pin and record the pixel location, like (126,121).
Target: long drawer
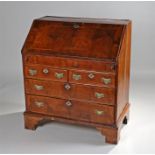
(71,91)
(71,109)
(70,63)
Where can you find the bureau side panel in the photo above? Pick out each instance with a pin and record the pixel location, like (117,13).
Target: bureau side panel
(123,72)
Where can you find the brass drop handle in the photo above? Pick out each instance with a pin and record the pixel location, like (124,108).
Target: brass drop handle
(91,75)
(76,76)
(106,80)
(39,104)
(99,112)
(59,75)
(38,87)
(32,72)
(67,86)
(68,103)
(99,95)
(45,71)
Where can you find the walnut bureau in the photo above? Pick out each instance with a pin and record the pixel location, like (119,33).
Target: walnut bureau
(76,70)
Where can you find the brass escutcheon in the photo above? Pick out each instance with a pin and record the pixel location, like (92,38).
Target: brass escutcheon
(45,70)
(91,75)
(67,86)
(76,26)
(68,103)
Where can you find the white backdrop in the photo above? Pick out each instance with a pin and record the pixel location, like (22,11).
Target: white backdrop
(138,137)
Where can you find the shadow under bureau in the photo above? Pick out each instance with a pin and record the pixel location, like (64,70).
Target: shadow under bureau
(76,70)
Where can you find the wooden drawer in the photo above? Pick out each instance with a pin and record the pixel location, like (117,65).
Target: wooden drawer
(71,109)
(93,78)
(69,63)
(45,72)
(71,91)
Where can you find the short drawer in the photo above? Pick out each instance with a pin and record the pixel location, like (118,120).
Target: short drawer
(71,91)
(71,109)
(45,72)
(93,78)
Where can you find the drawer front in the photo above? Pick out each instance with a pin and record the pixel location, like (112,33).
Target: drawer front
(71,109)
(93,78)
(70,63)
(45,72)
(71,91)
